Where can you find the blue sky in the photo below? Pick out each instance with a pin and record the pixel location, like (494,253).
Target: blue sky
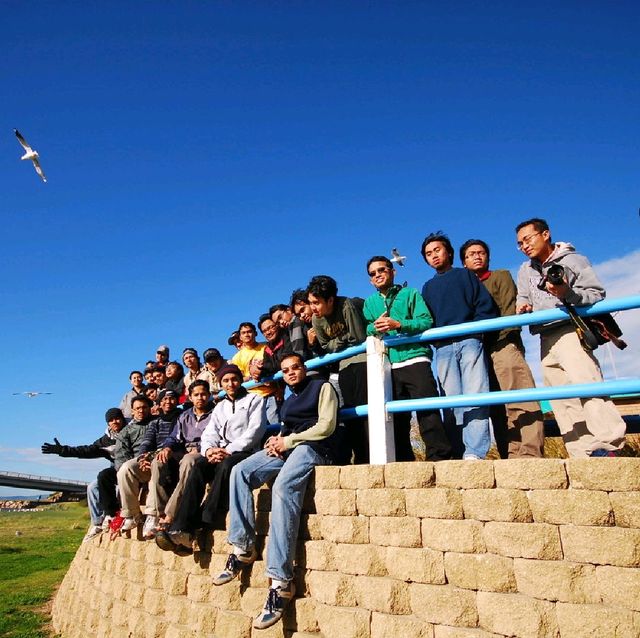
(204,159)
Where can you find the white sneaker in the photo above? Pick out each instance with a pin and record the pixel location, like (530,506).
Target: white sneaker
(131,522)
(94,530)
(277,600)
(149,527)
(106,521)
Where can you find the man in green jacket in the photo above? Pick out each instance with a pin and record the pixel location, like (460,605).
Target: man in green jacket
(392,310)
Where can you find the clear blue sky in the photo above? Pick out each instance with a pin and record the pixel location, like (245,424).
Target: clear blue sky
(204,159)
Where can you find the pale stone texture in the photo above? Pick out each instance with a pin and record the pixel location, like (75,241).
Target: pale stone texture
(311,527)
(367,560)
(530,474)
(317,555)
(345,529)
(387,502)
(557,580)
(596,621)
(453,536)
(387,626)
(395,532)
(233,623)
(577,507)
(442,631)
(619,586)
(515,615)
(409,475)
(601,545)
(343,623)
(435,502)
(612,475)
(418,565)
(485,572)
(443,604)
(496,505)
(361,477)
(326,477)
(523,540)
(331,588)
(301,615)
(465,474)
(386,595)
(336,502)
(626,508)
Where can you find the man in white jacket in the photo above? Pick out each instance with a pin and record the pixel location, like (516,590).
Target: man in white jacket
(233,433)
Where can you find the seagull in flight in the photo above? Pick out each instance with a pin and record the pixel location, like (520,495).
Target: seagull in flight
(397,258)
(30,154)
(30,394)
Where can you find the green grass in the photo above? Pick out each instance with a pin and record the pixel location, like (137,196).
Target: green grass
(33,563)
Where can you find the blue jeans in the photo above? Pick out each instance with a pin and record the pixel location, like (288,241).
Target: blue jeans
(93,503)
(462,369)
(287,494)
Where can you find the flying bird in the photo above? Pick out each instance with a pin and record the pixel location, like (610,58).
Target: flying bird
(30,394)
(397,258)
(30,154)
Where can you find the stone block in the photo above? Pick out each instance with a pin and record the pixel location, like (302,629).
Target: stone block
(556,580)
(380,502)
(601,545)
(576,507)
(484,572)
(361,477)
(394,531)
(203,618)
(611,475)
(626,508)
(523,540)
(135,594)
(227,597)
(435,502)
(262,499)
(153,602)
(316,555)
(176,632)
(154,627)
(177,610)
(153,577)
(367,560)
(597,621)
(198,587)
(409,475)
(442,631)
(385,626)
(301,615)
(326,477)
(417,565)
(219,543)
(343,623)
(311,527)
(345,529)
(500,504)
(385,595)
(531,474)
(453,536)
(516,615)
(331,588)
(619,586)
(233,623)
(336,502)
(252,600)
(444,605)
(465,474)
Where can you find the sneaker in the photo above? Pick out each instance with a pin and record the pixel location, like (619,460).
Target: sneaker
(277,599)
(149,527)
(106,522)
(131,522)
(235,564)
(601,452)
(94,530)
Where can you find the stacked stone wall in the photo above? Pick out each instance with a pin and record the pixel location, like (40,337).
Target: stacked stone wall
(458,549)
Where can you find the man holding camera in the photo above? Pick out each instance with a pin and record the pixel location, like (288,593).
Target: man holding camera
(589,427)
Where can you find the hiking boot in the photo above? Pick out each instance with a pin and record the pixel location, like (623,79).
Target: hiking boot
(149,527)
(181,538)
(277,599)
(235,564)
(93,531)
(131,522)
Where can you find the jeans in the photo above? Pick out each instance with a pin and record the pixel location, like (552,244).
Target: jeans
(287,494)
(93,503)
(462,370)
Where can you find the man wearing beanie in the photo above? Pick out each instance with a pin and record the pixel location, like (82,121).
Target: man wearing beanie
(102,447)
(234,432)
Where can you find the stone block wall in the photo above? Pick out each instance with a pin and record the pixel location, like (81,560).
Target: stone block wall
(457,549)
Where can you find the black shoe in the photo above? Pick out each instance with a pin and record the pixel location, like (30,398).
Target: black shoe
(164,542)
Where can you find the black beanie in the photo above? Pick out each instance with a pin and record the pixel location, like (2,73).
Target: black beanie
(113,413)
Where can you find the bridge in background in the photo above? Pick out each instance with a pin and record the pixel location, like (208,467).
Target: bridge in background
(45,483)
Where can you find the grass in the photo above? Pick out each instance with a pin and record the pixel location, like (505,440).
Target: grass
(34,562)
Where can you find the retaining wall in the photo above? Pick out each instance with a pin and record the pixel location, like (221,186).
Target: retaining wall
(457,549)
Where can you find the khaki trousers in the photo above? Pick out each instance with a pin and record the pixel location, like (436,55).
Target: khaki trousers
(166,501)
(130,480)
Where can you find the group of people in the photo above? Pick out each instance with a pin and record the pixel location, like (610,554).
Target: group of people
(198,442)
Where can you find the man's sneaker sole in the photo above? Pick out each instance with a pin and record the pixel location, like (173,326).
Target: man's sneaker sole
(164,542)
(235,564)
(277,601)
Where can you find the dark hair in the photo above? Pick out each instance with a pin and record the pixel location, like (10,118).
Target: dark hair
(200,382)
(143,398)
(473,242)
(386,260)
(441,237)
(322,286)
(278,306)
(262,318)
(158,369)
(298,296)
(151,386)
(179,365)
(289,354)
(247,324)
(135,372)
(539,224)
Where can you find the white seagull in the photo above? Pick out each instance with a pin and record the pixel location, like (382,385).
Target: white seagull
(31,393)
(397,258)
(30,154)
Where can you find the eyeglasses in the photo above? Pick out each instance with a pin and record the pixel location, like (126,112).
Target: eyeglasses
(292,368)
(378,271)
(526,240)
(476,253)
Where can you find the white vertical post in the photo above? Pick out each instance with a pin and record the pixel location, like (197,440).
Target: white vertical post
(382,448)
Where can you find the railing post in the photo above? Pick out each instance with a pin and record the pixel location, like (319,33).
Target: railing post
(382,447)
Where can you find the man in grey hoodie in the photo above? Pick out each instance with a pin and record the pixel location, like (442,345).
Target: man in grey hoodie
(589,427)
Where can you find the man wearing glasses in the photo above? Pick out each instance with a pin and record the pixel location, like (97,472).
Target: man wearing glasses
(392,310)
(589,427)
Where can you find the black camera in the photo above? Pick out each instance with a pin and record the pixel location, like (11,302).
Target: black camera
(555,276)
